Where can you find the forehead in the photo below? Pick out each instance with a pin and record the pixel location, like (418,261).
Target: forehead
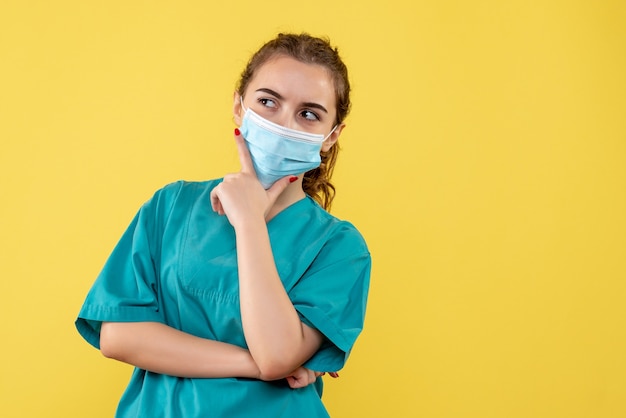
(296,80)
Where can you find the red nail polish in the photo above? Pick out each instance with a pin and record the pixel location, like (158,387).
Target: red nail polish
(292,179)
(237,132)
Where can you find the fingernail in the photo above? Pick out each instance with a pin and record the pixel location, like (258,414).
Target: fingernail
(292,179)
(237,132)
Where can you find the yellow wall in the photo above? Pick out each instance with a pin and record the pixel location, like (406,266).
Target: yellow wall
(485,162)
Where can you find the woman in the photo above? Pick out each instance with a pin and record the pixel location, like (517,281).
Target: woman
(232,297)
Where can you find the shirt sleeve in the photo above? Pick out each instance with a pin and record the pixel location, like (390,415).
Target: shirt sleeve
(332,296)
(126,290)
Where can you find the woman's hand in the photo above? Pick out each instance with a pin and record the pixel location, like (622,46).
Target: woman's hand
(240,196)
(302,377)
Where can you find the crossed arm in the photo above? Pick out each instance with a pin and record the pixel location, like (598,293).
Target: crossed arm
(279,343)
(162,349)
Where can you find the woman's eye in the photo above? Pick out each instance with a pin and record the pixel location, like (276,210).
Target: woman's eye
(308,115)
(267,102)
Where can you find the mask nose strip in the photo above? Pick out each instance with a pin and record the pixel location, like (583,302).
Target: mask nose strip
(286,126)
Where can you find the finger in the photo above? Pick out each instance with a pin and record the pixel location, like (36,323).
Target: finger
(216,205)
(244,154)
(278,187)
(333,374)
(214,200)
(292,382)
(296,383)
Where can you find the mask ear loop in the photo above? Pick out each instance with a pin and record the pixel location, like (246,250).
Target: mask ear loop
(242,106)
(330,133)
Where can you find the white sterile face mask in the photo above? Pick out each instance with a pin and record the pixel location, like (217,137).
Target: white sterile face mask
(277,151)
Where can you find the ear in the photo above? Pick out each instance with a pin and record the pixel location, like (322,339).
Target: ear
(237,110)
(332,139)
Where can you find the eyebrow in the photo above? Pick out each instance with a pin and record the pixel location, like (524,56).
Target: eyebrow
(279,97)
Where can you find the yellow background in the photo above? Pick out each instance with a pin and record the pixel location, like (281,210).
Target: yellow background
(484,162)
